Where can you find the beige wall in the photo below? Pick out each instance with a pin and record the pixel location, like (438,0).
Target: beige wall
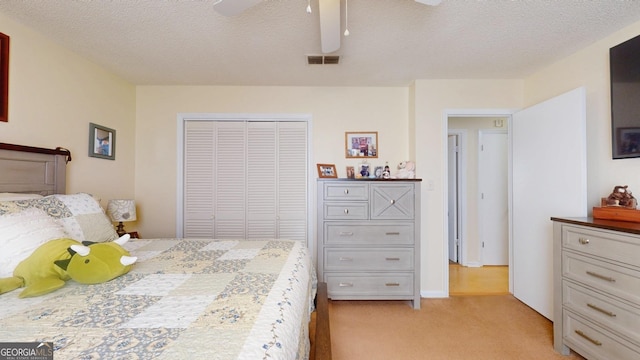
(53,96)
(434,99)
(333,111)
(590,68)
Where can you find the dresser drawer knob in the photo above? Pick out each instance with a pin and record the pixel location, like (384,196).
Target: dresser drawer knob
(346,233)
(345,284)
(346,211)
(593,341)
(606,312)
(392,284)
(392,259)
(599,276)
(393,201)
(346,191)
(583,241)
(342,258)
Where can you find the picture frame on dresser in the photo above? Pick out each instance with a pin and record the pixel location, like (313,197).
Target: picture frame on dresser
(362,144)
(327,171)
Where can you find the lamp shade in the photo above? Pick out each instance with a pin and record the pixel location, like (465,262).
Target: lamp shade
(122,210)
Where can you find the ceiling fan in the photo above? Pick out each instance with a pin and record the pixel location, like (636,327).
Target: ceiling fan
(329,17)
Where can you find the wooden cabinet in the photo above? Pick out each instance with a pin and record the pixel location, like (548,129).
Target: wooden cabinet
(597,288)
(369,239)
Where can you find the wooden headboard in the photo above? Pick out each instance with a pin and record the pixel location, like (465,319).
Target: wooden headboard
(27,169)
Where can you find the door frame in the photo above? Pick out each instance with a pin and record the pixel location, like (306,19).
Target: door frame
(446,114)
(461,171)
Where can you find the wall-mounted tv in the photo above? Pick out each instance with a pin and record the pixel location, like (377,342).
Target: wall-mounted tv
(624,63)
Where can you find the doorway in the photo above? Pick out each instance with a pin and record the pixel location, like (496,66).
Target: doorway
(478,228)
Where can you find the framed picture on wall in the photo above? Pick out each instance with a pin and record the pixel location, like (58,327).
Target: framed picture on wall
(102,142)
(361,144)
(628,141)
(4,77)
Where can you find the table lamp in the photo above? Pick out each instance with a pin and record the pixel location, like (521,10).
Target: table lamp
(121,210)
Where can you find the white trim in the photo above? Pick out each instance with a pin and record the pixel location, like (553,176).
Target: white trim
(183,117)
(462,192)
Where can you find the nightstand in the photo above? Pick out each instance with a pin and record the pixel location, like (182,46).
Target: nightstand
(134,235)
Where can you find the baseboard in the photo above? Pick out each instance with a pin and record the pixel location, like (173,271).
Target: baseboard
(433,294)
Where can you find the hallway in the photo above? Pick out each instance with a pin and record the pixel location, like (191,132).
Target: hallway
(486,280)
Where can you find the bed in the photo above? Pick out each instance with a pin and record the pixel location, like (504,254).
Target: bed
(183,298)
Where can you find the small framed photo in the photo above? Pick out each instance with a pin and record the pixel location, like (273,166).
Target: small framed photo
(351,172)
(327,171)
(361,144)
(378,172)
(102,142)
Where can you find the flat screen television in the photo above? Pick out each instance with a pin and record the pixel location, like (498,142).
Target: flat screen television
(624,63)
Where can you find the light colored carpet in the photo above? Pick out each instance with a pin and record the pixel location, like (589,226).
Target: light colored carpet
(462,327)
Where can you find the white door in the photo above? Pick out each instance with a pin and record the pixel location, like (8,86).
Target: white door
(549,178)
(493,188)
(453,198)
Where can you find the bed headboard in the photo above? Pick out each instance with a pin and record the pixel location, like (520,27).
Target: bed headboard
(27,169)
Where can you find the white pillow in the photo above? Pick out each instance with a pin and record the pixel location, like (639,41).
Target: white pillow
(18,196)
(22,233)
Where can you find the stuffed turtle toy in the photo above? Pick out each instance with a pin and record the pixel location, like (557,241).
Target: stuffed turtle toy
(56,261)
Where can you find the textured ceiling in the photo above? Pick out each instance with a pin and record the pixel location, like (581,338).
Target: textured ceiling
(391,42)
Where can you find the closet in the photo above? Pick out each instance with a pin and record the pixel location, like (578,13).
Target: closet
(245,179)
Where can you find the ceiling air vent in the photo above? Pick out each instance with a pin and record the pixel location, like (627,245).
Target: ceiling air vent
(322,60)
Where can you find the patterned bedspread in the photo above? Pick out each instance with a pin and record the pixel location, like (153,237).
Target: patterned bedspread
(183,299)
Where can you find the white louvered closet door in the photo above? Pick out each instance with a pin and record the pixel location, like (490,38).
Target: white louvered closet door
(292,180)
(246,179)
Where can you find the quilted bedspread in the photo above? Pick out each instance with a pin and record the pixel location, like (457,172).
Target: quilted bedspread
(183,299)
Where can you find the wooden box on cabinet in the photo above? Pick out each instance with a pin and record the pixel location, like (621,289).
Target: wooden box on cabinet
(369,239)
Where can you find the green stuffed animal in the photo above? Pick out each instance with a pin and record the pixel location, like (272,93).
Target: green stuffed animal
(56,261)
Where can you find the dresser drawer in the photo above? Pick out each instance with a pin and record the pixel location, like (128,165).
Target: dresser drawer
(392,201)
(620,281)
(370,285)
(607,311)
(605,244)
(374,233)
(346,191)
(595,342)
(346,211)
(368,259)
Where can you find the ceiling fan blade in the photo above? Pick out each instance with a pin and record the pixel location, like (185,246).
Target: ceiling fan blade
(329,25)
(430,2)
(233,7)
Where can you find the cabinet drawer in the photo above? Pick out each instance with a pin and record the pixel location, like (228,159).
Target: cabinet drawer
(371,234)
(593,341)
(624,248)
(368,259)
(346,191)
(371,285)
(607,311)
(346,210)
(618,280)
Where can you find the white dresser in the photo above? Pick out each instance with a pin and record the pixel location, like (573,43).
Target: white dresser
(369,239)
(597,288)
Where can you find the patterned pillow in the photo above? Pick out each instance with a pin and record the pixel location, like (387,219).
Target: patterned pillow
(80,215)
